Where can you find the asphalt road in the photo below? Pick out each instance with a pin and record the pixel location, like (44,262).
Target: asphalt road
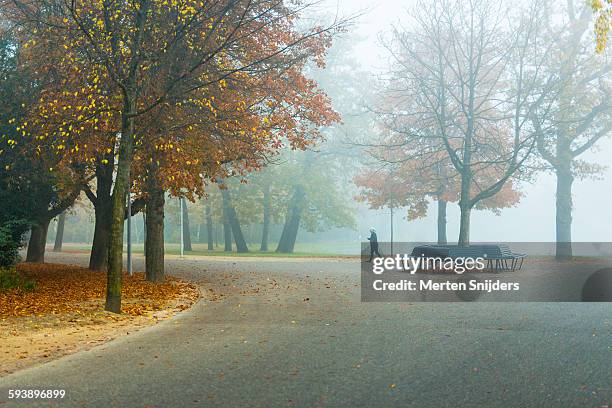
(293,333)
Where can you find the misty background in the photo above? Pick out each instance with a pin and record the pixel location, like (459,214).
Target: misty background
(361,50)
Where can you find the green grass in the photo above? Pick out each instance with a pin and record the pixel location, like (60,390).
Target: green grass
(307,250)
(259,254)
(10,279)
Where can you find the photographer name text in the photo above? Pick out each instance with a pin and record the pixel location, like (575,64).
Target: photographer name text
(487,285)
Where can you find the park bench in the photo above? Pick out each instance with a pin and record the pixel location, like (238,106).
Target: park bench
(501,257)
(498,256)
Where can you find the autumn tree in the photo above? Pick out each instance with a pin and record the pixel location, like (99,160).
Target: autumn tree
(234,129)
(411,184)
(151,55)
(314,200)
(408,187)
(313,188)
(603,21)
(466,82)
(580,112)
(16,199)
(32,173)
(265,189)
(231,219)
(54,196)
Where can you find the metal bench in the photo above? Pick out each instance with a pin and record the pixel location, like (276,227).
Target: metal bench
(498,256)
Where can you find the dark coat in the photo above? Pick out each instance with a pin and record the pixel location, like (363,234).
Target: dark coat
(373,240)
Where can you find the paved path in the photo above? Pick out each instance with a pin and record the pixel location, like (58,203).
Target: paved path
(293,333)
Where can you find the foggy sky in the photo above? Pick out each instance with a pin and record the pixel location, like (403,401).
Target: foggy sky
(533,219)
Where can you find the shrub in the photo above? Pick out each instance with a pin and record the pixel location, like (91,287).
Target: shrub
(11,233)
(10,279)
(28,286)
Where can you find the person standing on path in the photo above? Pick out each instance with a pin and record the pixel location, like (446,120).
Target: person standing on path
(373,244)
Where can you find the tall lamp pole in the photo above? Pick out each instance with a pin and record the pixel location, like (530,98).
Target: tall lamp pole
(182,230)
(391,208)
(129,227)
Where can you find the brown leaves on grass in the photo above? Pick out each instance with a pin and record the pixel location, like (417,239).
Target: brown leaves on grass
(72,289)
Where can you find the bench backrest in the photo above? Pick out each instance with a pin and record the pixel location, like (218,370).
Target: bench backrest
(467,252)
(455,251)
(505,250)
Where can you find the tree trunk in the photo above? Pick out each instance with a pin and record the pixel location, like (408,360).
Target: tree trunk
(98,259)
(209,228)
(266,219)
(59,233)
(241,245)
(442,204)
(565,180)
(233,222)
(466,209)
(227,229)
(115,250)
(154,255)
(38,241)
(464,226)
(102,202)
(186,230)
(286,244)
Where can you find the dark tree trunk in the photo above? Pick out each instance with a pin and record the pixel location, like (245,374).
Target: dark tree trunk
(115,249)
(59,232)
(38,241)
(266,219)
(43,215)
(288,237)
(186,229)
(98,259)
(227,229)
(464,226)
(102,202)
(241,245)
(154,246)
(466,208)
(465,202)
(209,227)
(442,204)
(232,220)
(565,180)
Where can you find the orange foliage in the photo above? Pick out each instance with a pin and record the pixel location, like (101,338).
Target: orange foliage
(230,88)
(72,289)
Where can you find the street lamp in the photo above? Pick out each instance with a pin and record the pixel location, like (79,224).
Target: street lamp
(391,208)
(182,226)
(129,227)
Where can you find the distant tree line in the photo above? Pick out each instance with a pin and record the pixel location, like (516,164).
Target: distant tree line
(480,97)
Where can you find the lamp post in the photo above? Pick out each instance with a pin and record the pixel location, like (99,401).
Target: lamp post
(129,227)
(391,208)
(182,238)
